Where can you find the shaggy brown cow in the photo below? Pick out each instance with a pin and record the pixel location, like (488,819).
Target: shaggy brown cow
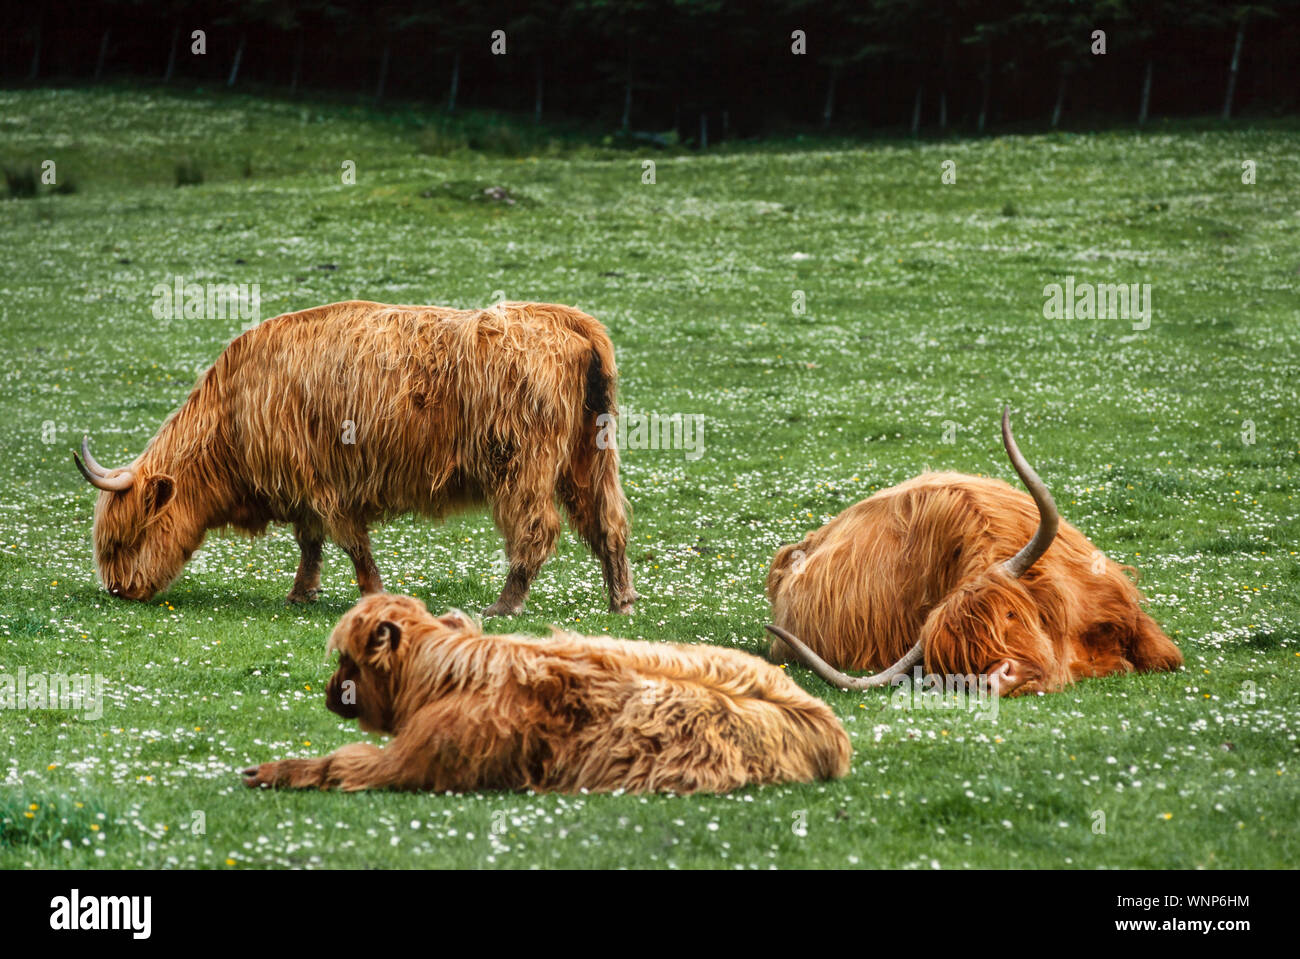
(926,570)
(469,711)
(335,417)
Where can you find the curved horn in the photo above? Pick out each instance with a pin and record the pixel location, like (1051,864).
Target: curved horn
(97,476)
(93,466)
(1048,518)
(839,679)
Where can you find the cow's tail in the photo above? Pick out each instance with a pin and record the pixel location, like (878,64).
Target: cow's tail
(592,492)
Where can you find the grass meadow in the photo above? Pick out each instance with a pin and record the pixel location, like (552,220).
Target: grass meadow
(1173,447)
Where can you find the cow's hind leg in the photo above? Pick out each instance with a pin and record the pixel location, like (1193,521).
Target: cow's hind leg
(604,528)
(306,584)
(1149,649)
(530,524)
(593,498)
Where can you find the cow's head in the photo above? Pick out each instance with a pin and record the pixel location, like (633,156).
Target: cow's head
(141,543)
(376,640)
(989,625)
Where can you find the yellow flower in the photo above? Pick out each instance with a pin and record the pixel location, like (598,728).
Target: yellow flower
(1168,815)
(94,827)
(230,862)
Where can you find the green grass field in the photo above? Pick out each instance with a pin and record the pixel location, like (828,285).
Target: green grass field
(1174,448)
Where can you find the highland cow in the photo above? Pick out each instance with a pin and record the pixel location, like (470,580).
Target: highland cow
(971,576)
(468,712)
(340,416)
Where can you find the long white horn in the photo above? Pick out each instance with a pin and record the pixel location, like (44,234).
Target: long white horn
(90,460)
(96,475)
(841,680)
(1048,518)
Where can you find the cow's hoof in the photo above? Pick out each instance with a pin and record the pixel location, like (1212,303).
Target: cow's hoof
(502,609)
(265,776)
(296,598)
(623,605)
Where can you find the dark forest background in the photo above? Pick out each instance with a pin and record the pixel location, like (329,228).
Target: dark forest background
(704,68)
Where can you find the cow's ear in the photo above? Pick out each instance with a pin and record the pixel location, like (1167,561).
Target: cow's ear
(158,492)
(385,637)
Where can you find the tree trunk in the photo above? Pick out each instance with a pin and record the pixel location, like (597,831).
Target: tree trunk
(538,90)
(239,56)
(828,108)
(297,66)
(704,131)
(171,55)
(916,112)
(627,92)
(1060,97)
(986,81)
(1146,94)
(1232,70)
(103,54)
(455,83)
(36,55)
(943,79)
(383,71)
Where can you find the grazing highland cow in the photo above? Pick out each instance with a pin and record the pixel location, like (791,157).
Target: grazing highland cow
(929,570)
(335,417)
(468,711)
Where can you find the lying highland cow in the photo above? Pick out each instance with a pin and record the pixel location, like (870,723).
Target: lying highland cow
(564,713)
(934,569)
(336,417)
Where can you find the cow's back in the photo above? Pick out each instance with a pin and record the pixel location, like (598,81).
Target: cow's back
(658,716)
(364,408)
(858,589)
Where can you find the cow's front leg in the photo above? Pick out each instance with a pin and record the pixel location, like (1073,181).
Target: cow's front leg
(359,766)
(306,584)
(289,774)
